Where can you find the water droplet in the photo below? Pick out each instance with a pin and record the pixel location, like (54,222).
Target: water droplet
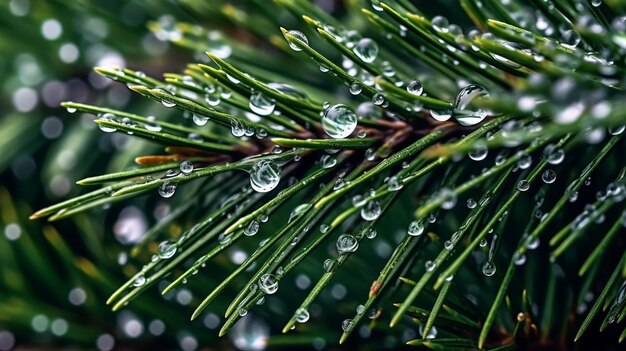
(395,183)
(167,249)
(243,312)
(268,284)
(139,281)
(596,3)
(519,259)
(376,5)
(347,243)
(416,228)
(548,176)
(415,87)
(429,265)
(489,268)
(152,125)
(296,45)
(524,160)
(378,99)
(471,203)
(371,234)
(237,128)
(264,176)
(328,161)
(371,211)
(464,112)
(252,228)
(339,121)
(261,104)
(479,152)
(366,49)
(328,264)
(167,190)
(302,315)
(186,167)
(71,109)
(324,228)
(441,115)
(298,211)
(617,130)
(199,119)
(523,185)
(346,325)
(440,24)
(355,89)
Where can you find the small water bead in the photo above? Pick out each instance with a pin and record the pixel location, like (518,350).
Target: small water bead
(328,265)
(523,185)
(362,134)
(596,3)
(376,5)
(369,110)
(553,155)
(441,115)
(346,243)
(440,24)
(186,167)
(243,312)
(268,284)
(140,280)
(371,234)
(167,249)
(489,268)
(533,243)
(261,105)
(524,160)
(70,109)
(617,130)
(415,87)
(107,117)
(237,128)
(378,99)
(264,176)
(328,161)
(298,211)
(324,228)
(339,121)
(346,325)
(548,176)
(483,242)
(519,259)
(416,228)
(252,228)
(212,100)
(302,315)
(296,45)
(167,190)
(199,120)
(339,183)
(471,203)
(429,265)
(355,89)
(479,152)
(152,125)
(366,49)
(371,211)
(395,183)
(463,111)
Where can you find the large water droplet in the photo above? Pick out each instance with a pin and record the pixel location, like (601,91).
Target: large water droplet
(295,45)
(366,49)
(167,249)
(464,112)
(265,176)
(199,119)
(479,152)
(252,228)
(261,104)
(347,243)
(339,121)
(268,284)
